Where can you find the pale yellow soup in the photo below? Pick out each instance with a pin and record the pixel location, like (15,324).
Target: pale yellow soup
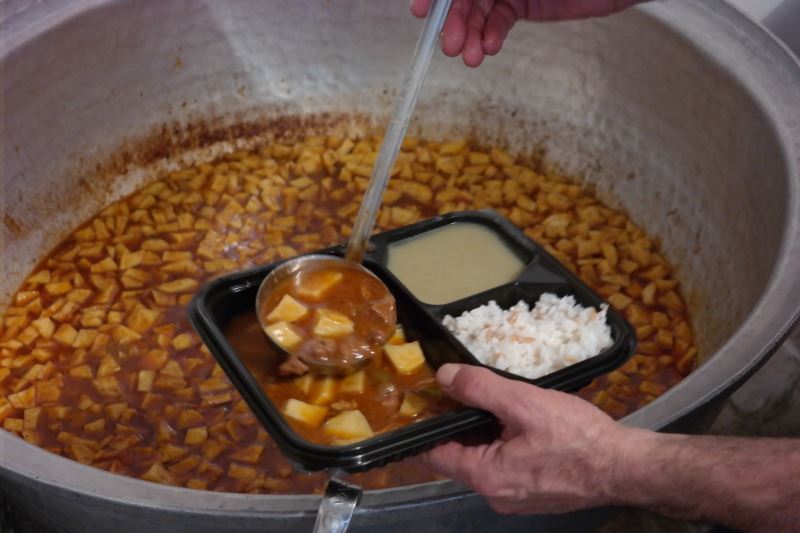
(453,261)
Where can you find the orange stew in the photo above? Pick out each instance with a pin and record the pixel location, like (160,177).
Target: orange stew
(98,360)
(335,317)
(397,387)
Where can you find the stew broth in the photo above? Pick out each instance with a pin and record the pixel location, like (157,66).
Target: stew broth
(98,361)
(380,397)
(335,316)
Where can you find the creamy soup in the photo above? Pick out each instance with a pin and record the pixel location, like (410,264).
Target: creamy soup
(452,262)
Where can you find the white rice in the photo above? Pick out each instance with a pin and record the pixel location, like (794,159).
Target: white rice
(531,343)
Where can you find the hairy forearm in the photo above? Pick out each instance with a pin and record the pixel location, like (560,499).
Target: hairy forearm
(751,484)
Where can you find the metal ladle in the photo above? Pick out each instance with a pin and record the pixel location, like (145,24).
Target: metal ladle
(381,172)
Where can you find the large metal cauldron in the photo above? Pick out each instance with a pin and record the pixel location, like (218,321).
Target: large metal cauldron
(686,113)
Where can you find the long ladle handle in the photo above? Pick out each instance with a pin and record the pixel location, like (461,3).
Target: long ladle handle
(398,125)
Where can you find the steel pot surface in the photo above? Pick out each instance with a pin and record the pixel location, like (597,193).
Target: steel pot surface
(685,113)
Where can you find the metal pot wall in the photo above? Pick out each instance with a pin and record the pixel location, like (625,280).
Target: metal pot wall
(685,113)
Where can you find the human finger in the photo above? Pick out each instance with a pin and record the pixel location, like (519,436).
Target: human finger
(465,464)
(455,27)
(473,45)
(479,387)
(419,8)
(499,22)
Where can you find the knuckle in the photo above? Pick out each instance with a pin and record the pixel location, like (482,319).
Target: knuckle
(480,485)
(488,487)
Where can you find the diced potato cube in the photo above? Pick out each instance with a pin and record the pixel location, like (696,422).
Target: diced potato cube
(114,410)
(181,267)
(316,284)
(142,319)
(47,391)
(185,465)
(619,301)
(196,436)
(413,404)
(189,418)
(6,409)
(79,295)
(124,334)
(197,484)
(44,326)
(283,335)
(145,381)
(108,386)
(304,383)
(82,371)
(406,358)
(332,324)
(28,335)
(173,368)
(85,338)
(158,474)
(107,366)
(659,320)
(66,334)
(287,310)
(131,259)
(31,417)
(355,383)
(154,359)
(217,399)
(324,391)
(671,301)
(85,403)
(213,384)
(183,341)
(242,472)
(13,424)
(106,265)
(165,381)
(97,425)
(350,425)
(211,449)
(311,415)
(43,276)
(24,398)
(251,454)
(155,245)
(170,453)
(179,286)
(23,298)
(58,287)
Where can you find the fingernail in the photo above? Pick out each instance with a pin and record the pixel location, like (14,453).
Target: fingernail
(446,374)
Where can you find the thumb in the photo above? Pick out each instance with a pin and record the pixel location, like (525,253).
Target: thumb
(479,387)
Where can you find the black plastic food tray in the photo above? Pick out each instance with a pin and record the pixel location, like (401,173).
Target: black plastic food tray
(234,294)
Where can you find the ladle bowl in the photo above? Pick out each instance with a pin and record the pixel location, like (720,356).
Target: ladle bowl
(306,264)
